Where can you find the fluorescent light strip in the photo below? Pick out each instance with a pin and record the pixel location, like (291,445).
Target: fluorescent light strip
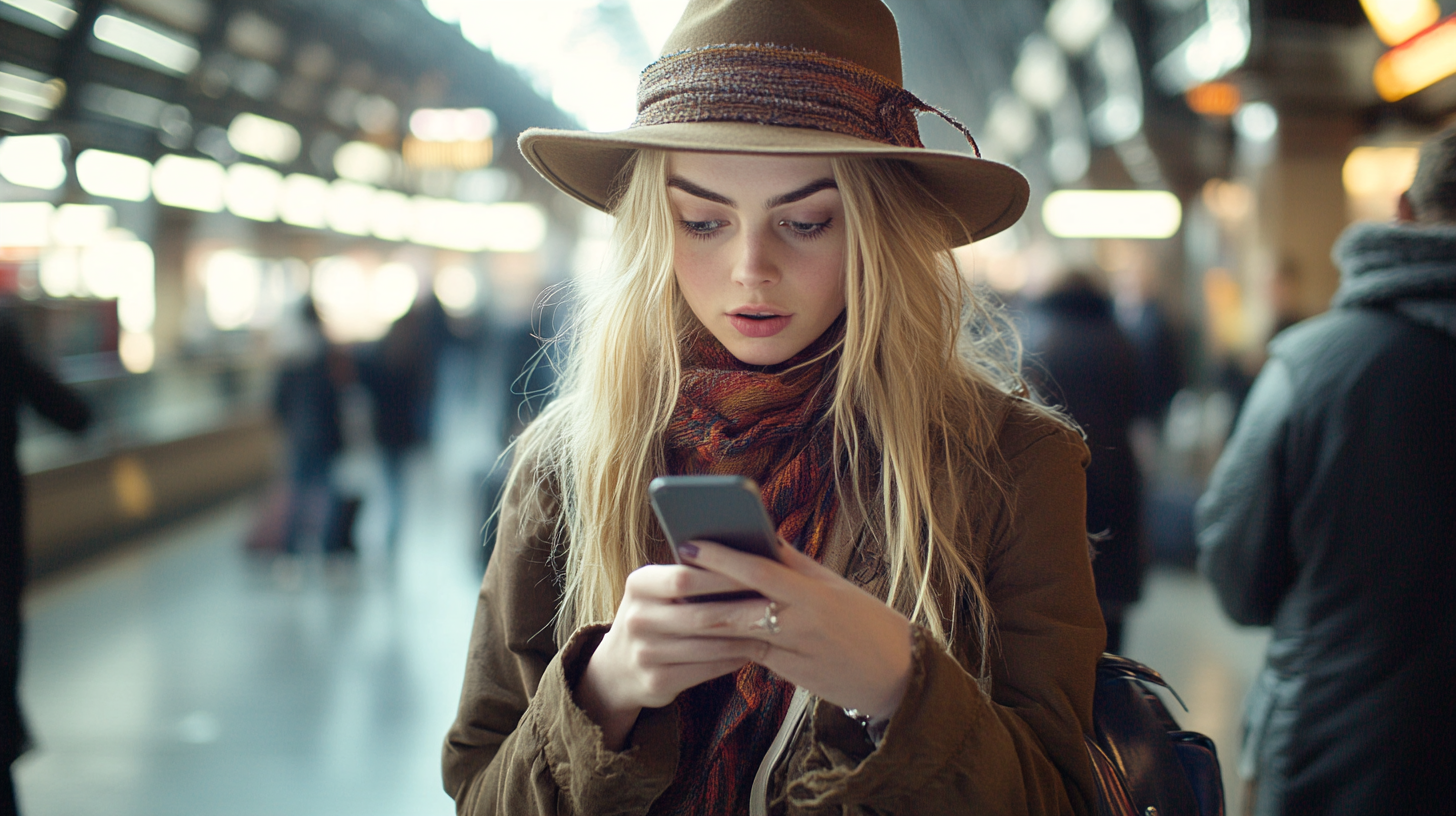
(57,14)
(1112,214)
(172,54)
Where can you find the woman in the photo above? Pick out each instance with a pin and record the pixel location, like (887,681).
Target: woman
(783,305)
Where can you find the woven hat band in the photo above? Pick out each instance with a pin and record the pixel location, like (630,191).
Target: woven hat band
(783,87)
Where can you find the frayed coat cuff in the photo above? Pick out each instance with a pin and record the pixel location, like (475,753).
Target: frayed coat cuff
(845,767)
(596,779)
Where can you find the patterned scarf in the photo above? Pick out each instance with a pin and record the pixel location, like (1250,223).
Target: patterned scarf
(763,423)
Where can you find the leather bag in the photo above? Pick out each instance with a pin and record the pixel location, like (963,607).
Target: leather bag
(1145,764)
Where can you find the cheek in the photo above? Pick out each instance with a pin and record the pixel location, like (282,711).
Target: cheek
(828,281)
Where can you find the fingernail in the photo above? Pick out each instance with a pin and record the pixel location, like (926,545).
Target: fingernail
(687,549)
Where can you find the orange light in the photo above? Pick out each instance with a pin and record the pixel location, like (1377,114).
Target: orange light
(455,155)
(1396,21)
(1214,99)
(1417,63)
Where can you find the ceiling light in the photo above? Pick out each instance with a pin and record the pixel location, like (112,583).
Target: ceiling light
(1396,21)
(264,138)
(193,184)
(1012,124)
(1214,99)
(81,224)
(393,290)
(137,350)
(1041,72)
(457,290)
(1257,122)
(1112,214)
(253,191)
(169,52)
(452,125)
(305,201)
(232,282)
(1417,63)
(29,94)
(348,208)
(61,15)
(25,223)
(512,227)
(34,161)
(1074,24)
(114,175)
(390,215)
(1213,49)
(1379,171)
(364,162)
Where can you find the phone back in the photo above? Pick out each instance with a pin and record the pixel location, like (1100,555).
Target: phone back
(725,509)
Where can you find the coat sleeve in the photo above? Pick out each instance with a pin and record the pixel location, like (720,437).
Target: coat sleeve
(520,744)
(952,747)
(1243,518)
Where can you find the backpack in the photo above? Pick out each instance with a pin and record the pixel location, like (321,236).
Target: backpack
(1145,765)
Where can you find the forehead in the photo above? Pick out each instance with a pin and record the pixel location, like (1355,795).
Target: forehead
(763,175)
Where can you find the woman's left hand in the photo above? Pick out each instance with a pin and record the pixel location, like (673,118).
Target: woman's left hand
(834,640)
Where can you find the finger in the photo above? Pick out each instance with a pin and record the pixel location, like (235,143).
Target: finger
(718,619)
(675,651)
(772,578)
(670,582)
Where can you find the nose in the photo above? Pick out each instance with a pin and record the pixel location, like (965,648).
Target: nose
(757,264)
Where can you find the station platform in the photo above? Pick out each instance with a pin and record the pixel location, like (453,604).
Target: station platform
(180,675)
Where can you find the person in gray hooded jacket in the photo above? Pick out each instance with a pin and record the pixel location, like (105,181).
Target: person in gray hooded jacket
(1332,517)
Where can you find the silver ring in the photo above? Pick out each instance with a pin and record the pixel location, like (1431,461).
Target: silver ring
(770,621)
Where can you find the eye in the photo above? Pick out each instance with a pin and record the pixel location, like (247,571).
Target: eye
(700,229)
(807,229)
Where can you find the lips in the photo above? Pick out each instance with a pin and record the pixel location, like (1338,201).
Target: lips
(758,322)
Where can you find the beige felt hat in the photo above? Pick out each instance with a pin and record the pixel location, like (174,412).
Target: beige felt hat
(818,77)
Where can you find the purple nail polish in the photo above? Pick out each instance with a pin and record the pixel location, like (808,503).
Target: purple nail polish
(687,549)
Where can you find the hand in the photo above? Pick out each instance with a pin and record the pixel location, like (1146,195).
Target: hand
(659,645)
(835,640)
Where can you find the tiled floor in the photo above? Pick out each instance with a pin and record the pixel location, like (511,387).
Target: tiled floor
(180,677)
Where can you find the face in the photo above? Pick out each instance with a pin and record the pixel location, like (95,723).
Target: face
(760,249)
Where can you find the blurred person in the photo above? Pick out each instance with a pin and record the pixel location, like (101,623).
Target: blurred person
(23,381)
(1145,323)
(1330,516)
(783,305)
(398,373)
(306,403)
(1078,358)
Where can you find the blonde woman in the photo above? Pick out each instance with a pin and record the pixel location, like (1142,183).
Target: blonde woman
(783,305)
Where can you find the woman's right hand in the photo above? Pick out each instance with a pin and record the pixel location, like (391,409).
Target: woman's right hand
(659,646)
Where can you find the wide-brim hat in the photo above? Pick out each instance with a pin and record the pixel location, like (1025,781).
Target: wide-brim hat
(783,77)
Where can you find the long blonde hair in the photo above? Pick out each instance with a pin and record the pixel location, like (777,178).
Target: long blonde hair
(909,411)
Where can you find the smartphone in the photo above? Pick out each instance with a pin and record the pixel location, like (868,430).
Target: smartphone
(723,509)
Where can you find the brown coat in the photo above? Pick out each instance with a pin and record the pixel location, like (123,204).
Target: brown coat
(520,744)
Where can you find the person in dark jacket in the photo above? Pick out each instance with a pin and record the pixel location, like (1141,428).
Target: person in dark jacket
(306,402)
(1080,359)
(1330,516)
(399,375)
(22,381)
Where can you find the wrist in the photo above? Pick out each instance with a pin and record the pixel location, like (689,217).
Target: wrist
(614,716)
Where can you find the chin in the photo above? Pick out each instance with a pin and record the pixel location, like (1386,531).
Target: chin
(761,354)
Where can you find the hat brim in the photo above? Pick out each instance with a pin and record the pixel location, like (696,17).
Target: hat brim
(986,197)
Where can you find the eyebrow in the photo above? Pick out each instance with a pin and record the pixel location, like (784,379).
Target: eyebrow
(777,201)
